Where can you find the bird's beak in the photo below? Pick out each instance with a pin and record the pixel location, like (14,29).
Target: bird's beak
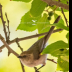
(19,56)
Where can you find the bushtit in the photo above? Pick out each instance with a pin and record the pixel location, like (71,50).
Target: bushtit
(32,57)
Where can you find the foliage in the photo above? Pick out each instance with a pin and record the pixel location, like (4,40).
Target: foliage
(37,19)
(22,0)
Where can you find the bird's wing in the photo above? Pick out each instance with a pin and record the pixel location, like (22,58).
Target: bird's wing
(37,48)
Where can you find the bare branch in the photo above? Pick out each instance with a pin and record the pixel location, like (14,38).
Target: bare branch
(52,60)
(22,67)
(36,69)
(4,42)
(64,17)
(0,50)
(11,51)
(19,45)
(3,22)
(8,26)
(58,4)
(29,37)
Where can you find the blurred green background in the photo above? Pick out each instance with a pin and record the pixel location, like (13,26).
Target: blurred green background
(15,10)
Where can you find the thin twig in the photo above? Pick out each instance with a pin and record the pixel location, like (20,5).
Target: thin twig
(67,2)
(4,42)
(3,22)
(0,50)
(36,69)
(8,26)
(19,45)
(52,60)
(40,67)
(64,17)
(29,37)
(22,67)
(8,37)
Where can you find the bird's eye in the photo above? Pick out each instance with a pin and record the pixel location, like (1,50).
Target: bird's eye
(24,56)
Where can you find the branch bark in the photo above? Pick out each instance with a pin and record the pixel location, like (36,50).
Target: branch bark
(58,4)
(3,22)
(52,60)
(29,37)
(11,51)
(22,67)
(8,26)
(4,42)
(19,45)
(64,17)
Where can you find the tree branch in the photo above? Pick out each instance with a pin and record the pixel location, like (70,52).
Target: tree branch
(64,17)
(0,50)
(3,22)
(4,42)
(58,4)
(22,51)
(19,45)
(22,67)
(52,60)
(10,50)
(8,26)
(29,37)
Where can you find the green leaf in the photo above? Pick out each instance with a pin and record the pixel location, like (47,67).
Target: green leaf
(37,8)
(22,0)
(42,24)
(60,25)
(58,9)
(67,36)
(28,23)
(58,52)
(54,48)
(62,65)
(64,1)
(66,58)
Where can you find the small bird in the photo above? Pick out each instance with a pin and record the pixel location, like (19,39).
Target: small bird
(32,57)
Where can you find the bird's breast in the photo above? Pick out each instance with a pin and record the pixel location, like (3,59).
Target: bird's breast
(33,63)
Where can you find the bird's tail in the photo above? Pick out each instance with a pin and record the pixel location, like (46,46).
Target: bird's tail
(51,30)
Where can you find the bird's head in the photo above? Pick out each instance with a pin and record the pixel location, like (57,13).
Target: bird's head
(26,55)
